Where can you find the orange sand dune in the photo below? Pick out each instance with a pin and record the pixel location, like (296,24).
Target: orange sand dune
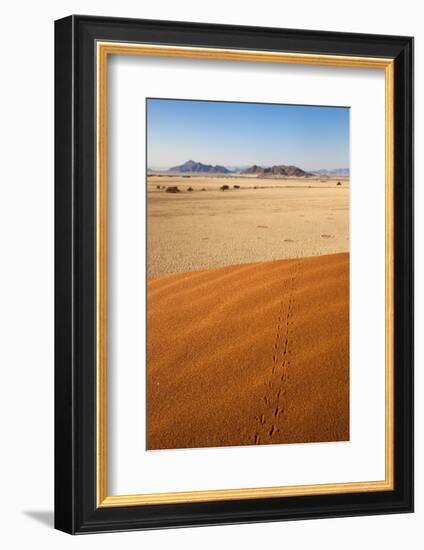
(249,354)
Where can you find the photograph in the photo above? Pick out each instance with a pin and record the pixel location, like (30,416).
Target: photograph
(233,271)
(247,273)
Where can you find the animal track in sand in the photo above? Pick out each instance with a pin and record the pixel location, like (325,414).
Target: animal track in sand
(273,403)
(278,411)
(272,430)
(326,236)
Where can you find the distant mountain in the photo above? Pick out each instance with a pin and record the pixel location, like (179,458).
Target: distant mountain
(156,169)
(332,172)
(192,166)
(277,170)
(255,169)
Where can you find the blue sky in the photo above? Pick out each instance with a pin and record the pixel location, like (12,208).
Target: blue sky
(238,134)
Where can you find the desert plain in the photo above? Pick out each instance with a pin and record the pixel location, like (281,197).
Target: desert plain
(248,311)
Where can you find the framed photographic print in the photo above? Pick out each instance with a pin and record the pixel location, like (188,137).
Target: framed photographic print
(234,271)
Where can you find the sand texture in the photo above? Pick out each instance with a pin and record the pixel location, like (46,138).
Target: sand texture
(281,218)
(250,354)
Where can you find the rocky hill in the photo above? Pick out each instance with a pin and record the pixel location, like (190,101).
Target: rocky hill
(332,172)
(192,166)
(277,170)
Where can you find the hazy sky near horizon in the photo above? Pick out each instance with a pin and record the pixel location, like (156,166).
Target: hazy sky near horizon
(239,134)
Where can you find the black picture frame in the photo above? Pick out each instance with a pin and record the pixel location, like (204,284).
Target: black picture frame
(76,510)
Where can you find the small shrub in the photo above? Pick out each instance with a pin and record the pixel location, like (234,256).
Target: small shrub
(224,187)
(189,188)
(172,189)
(339,183)
(236,186)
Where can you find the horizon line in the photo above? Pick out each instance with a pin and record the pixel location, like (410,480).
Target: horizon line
(243,165)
